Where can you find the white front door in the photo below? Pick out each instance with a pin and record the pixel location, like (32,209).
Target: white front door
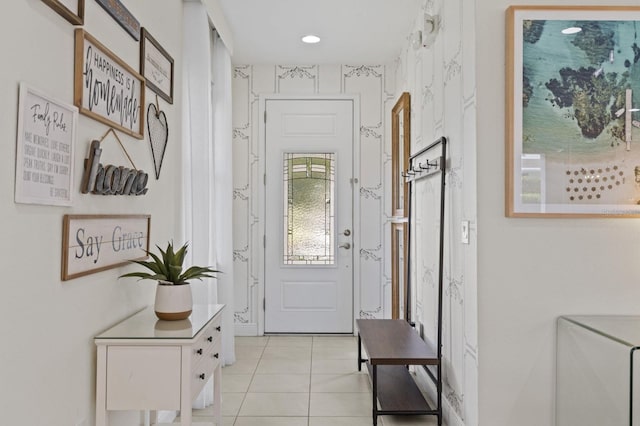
(309,219)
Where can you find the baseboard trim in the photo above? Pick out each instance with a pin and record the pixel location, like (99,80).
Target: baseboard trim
(246,329)
(167,416)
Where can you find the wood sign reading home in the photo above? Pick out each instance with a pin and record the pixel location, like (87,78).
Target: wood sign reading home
(106,88)
(110,179)
(93,243)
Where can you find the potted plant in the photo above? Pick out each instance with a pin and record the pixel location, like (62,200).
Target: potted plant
(173,294)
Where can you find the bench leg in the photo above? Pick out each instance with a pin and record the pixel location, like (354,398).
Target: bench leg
(359,353)
(374,391)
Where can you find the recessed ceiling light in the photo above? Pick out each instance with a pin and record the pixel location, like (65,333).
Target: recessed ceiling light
(571,30)
(311,39)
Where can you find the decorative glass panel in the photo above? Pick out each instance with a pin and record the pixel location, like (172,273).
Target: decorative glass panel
(309,211)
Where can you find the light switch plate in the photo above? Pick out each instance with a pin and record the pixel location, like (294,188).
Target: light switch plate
(464,232)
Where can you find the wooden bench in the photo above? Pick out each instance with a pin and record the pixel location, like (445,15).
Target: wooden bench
(393,345)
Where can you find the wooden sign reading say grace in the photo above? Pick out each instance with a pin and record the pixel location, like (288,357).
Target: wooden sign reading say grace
(93,243)
(106,88)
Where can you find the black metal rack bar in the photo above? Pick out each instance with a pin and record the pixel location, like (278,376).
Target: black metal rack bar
(433,166)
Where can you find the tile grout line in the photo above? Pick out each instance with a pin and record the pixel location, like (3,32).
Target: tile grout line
(250,381)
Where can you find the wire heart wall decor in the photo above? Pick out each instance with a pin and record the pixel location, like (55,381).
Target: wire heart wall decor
(158,135)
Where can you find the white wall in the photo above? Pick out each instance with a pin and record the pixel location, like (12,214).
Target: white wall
(441,81)
(530,271)
(374,86)
(47,356)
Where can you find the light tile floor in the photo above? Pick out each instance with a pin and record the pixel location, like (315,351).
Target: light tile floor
(298,381)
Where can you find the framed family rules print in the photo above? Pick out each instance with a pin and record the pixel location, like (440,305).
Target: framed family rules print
(573,111)
(44,149)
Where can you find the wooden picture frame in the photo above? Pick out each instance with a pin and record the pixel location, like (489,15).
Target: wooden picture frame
(44,149)
(572,123)
(94,243)
(96,69)
(400,149)
(63,8)
(156,66)
(399,269)
(122,16)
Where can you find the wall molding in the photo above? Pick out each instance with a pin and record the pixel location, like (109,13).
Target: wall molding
(246,329)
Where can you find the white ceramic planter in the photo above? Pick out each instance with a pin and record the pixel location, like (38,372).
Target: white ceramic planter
(173,302)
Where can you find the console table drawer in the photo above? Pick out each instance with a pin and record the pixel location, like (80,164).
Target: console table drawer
(207,339)
(203,366)
(143,377)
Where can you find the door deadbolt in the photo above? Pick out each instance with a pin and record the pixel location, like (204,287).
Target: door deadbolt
(347,232)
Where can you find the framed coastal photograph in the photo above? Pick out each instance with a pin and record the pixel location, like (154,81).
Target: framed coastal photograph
(156,65)
(573,111)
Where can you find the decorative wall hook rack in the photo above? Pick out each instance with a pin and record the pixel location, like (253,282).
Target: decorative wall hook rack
(427,166)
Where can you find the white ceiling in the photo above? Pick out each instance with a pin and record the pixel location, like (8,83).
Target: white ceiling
(352,31)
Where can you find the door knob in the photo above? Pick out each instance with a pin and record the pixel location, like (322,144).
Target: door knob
(347,232)
(345,246)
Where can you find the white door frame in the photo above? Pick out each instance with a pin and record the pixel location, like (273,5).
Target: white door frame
(262,200)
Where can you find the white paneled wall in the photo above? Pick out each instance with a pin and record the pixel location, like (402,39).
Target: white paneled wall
(374,85)
(441,80)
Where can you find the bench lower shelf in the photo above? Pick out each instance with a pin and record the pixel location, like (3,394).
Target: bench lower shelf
(398,393)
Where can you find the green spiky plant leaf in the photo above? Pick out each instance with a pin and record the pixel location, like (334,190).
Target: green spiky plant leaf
(168,267)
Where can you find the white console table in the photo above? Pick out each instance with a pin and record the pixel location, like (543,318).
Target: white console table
(147,364)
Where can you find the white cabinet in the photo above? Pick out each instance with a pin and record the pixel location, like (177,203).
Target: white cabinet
(147,364)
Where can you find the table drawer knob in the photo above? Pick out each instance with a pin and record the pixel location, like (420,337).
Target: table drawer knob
(210,339)
(218,328)
(201,376)
(216,355)
(199,351)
